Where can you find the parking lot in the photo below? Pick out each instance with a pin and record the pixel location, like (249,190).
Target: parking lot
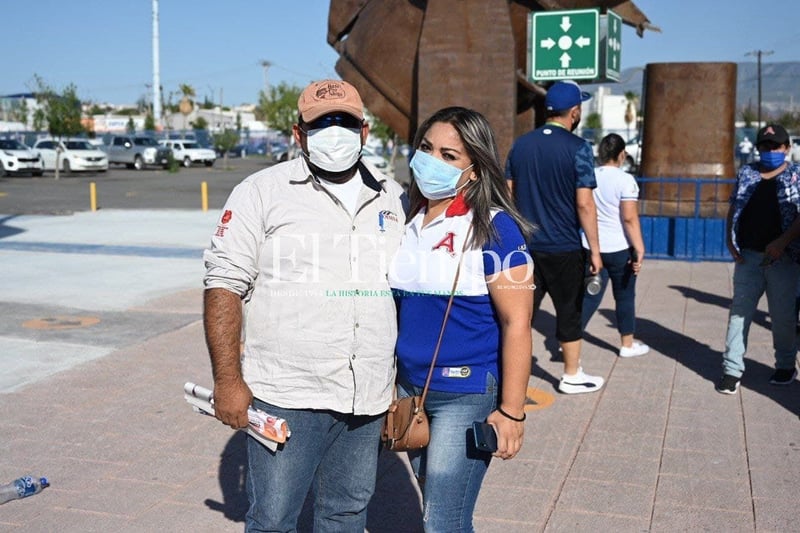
(121,188)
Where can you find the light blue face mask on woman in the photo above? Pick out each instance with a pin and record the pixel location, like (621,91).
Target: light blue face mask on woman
(772,160)
(436,179)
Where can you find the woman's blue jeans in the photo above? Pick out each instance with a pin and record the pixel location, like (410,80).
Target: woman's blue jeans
(450,470)
(333,454)
(623,285)
(750,281)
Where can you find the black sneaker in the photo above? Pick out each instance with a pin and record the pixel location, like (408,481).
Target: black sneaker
(728,384)
(783,376)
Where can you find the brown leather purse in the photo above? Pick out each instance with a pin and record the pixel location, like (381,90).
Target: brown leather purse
(406,426)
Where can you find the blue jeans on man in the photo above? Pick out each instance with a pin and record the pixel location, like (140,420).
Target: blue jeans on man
(751,279)
(333,454)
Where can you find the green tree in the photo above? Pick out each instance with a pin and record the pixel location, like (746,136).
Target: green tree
(95,110)
(186,104)
(186,90)
(279,107)
(224,141)
(382,132)
(379,130)
(200,124)
(130,127)
(61,112)
(38,120)
(789,120)
(630,110)
(749,116)
(594,122)
(149,122)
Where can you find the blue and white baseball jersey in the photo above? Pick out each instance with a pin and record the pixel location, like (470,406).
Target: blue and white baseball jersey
(421,276)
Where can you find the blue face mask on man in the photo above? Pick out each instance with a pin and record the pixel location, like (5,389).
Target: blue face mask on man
(772,160)
(436,179)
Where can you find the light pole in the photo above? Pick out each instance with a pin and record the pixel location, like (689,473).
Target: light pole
(266,64)
(758,54)
(156,69)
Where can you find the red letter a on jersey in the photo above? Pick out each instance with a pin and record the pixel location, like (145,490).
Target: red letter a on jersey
(446,242)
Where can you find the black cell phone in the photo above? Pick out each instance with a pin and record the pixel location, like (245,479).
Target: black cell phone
(485,436)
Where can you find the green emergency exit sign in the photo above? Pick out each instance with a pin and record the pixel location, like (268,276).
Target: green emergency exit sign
(564,44)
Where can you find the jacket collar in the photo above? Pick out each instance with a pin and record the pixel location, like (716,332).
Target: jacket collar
(366,176)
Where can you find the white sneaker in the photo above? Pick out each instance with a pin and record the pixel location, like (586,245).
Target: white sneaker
(579,383)
(636,349)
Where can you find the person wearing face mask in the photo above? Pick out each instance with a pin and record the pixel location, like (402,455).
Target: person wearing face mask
(763,229)
(551,174)
(462,219)
(305,246)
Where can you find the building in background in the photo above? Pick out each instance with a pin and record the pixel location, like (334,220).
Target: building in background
(617,115)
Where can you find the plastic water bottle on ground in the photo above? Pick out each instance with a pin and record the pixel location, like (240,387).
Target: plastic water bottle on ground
(22,488)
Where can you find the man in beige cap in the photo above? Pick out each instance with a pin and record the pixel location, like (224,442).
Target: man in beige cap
(306,245)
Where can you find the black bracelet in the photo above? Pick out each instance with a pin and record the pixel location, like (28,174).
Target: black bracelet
(500,410)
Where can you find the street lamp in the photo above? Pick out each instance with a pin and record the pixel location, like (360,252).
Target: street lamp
(266,64)
(758,54)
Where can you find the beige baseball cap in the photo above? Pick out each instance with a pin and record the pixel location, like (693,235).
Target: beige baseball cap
(329,96)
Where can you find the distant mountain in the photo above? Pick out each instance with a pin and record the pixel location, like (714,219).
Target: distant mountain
(780,85)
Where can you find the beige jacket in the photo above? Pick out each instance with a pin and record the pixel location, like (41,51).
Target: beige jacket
(320,321)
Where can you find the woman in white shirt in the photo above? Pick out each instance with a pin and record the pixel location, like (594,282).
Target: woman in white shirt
(621,243)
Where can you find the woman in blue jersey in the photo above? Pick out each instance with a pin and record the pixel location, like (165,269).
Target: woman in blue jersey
(459,196)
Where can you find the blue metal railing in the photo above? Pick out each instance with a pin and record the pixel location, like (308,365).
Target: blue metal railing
(684,218)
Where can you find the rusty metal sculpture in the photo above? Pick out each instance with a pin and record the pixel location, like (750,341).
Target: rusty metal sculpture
(409,58)
(690,109)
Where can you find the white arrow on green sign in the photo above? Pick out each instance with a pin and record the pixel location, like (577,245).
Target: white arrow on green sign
(564,44)
(613,46)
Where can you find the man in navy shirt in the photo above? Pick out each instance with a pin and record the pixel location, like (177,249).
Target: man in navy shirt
(550,171)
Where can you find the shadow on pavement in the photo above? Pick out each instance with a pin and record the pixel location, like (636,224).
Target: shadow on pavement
(394,508)
(760,317)
(756,378)
(233,479)
(757,374)
(6,230)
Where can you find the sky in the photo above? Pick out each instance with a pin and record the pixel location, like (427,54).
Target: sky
(104,47)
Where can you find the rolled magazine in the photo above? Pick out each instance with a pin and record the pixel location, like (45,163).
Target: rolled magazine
(267,429)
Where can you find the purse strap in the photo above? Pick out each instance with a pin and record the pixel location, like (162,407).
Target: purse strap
(444,321)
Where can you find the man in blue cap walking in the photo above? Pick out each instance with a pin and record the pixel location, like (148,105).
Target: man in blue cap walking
(550,171)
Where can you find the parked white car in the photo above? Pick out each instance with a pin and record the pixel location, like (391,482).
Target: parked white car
(189,151)
(77,155)
(16,158)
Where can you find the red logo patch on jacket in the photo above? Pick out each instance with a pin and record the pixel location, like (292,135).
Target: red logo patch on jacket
(222,228)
